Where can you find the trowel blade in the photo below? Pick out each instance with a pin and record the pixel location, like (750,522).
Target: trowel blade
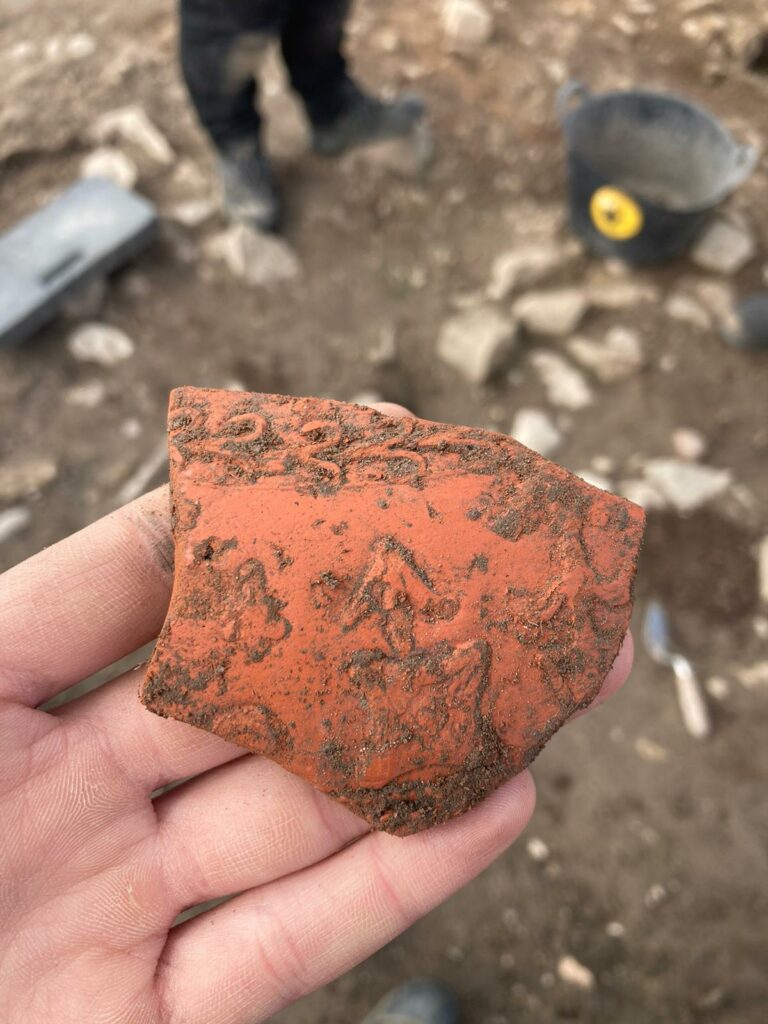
(656,633)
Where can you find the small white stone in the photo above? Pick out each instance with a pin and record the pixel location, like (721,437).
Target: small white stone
(191,213)
(717,687)
(689,444)
(650,751)
(753,677)
(655,895)
(132,124)
(111,163)
(467,25)
(537,849)
(760,627)
(595,479)
(688,310)
(477,342)
(466,300)
(88,395)
(552,313)
(647,834)
(258,259)
(687,486)
(22,477)
(100,343)
(624,24)
(79,46)
(507,961)
(574,973)
(762,569)
(131,428)
(724,248)
(606,291)
(189,179)
(12,521)
(388,40)
(705,27)
(719,299)
(54,48)
(535,429)
(22,51)
(511,919)
(615,930)
(617,357)
(564,384)
(603,464)
(524,267)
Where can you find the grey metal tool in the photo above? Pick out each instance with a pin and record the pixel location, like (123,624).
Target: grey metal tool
(690,698)
(89,231)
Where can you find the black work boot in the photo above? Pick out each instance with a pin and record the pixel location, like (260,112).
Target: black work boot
(421,1001)
(366,120)
(250,192)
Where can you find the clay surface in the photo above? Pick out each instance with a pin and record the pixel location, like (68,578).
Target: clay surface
(400,612)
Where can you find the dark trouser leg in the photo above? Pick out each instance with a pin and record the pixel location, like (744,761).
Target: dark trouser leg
(221,44)
(219,54)
(312,36)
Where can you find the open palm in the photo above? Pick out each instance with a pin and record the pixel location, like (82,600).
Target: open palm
(94,871)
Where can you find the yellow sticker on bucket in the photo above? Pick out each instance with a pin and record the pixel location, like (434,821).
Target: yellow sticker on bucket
(615,214)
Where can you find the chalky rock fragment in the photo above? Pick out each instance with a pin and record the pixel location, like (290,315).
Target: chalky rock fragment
(400,612)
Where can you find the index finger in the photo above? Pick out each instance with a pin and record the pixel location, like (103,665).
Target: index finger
(87,601)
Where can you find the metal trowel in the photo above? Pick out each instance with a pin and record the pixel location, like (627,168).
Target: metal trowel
(658,643)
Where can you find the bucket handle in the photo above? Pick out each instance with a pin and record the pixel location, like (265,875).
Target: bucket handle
(567,95)
(745,163)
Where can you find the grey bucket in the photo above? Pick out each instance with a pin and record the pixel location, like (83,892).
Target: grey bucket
(646,170)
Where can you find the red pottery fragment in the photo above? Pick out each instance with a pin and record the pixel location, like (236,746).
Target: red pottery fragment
(400,612)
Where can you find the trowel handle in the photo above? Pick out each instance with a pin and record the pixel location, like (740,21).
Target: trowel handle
(690,698)
(567,95)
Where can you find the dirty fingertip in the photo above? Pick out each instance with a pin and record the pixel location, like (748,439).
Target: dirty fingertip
(619,671)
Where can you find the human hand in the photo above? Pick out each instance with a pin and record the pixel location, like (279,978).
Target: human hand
(93,871)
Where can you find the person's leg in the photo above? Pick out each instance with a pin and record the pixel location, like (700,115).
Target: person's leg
(312,37)
(221,45)
(218,62)
(341,114)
